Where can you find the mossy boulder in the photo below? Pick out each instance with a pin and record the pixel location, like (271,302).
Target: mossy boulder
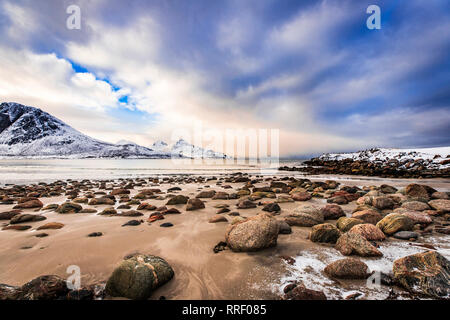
(138,276)
(69,207)
(178,199)
(325,232)
(345,224)
(395,222)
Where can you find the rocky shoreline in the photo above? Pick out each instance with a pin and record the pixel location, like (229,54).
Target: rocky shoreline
(243,214)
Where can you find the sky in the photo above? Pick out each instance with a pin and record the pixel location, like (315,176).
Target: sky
(138,70)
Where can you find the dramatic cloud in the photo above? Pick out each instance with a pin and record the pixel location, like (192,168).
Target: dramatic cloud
(311,69)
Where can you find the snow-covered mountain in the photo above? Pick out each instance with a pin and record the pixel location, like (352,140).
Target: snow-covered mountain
(436,158)
(29,132)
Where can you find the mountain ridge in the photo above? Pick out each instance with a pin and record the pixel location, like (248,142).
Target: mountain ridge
(29,132)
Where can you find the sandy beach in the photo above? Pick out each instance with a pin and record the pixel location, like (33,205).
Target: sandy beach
(187,246)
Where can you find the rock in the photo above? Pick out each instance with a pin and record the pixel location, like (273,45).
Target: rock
(345,224)
(272,207)
(194,204)
(87,210)
(178,199)
(95,234)
(253,234)
(405,235)
(52,206)
(8,292)
(41,235)
(338,200)
(138,276)
(348,268)
(325,232)
(285,228)
(206,194)
(441,205)
(352,243)
(155,216)
(223,210)
(246,204)
(69,207)
(171,211)
(119,191)
(387,189)
(368,231)
(6,215)
(17,228)
(332,212)
(221,196)
(416,191)
(166,225)
(132,223)
(415,205)
(48,287)
(383,203)
(418,217)
(426,273)
(217,219)
(101,201)
(220,247)
(51,225)
(301,196)
(305,216)
(146,206)
(20,218)
(80,295)
(108,212)
(35,203)
(131,213)
(368,216)
(299,292)
(174,189)
(394,222)
(439,195)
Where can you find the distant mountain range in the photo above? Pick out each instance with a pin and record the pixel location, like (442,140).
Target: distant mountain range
(28,132)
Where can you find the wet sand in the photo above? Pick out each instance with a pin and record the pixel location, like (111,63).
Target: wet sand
(187,247)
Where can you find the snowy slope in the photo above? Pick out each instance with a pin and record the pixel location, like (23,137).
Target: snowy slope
(432,157)
(30,132)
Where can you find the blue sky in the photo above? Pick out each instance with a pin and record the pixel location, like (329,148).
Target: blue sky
(138,69)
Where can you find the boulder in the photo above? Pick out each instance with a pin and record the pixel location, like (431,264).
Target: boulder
(272,207)
(51,225)
(426,273)
(246,204)
(194,204)
(119,192)
(305,216)
(383,203)
(206,194)
(138,276)
(101,201)
(48,287)
(353,243)
(368,216)
(131,213)
(253,234)
(368,231)
(325,232)
(441,205)
(285,228)
(299,292)
(439,195)
(301,196)
(394,222)
(332,212)
(178,199)
(20,218)
(418,217)
(405,235)
(68,207)
(6,215)
(35,203)
(416,191)
(338,200)
(222,195)
(348,268)
(217,219)
(415,205)
(345,224)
